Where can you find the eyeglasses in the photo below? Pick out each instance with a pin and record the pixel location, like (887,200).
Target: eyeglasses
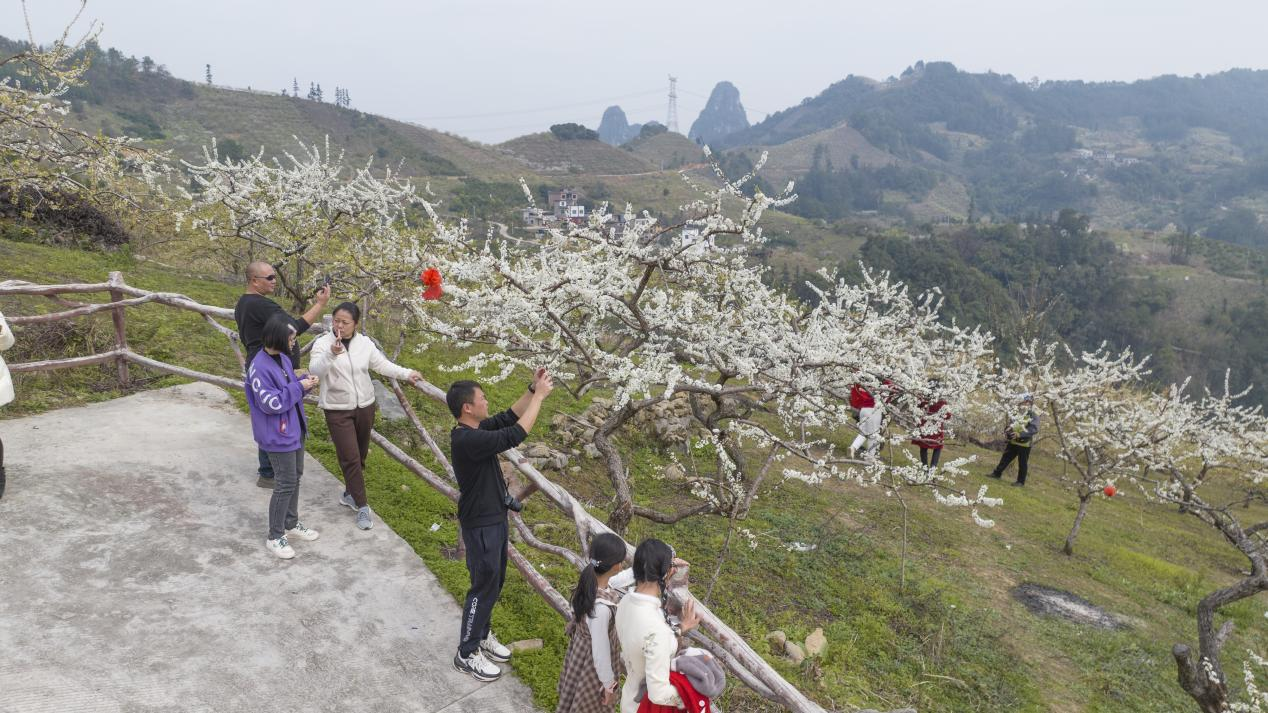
(270,278)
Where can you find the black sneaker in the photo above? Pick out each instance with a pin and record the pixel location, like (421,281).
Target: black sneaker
(996,476)
(265,482)
(477,666)
(1018,484)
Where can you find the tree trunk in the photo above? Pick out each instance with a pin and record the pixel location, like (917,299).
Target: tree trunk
(1211,696)
(1084,499)
(623,509)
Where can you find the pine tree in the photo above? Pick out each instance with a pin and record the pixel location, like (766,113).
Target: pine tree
(209,74)
(318,91)
(312,91)
(295,87)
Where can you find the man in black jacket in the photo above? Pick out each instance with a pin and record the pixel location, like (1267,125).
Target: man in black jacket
(1020,432)
(475,443)
(251,313)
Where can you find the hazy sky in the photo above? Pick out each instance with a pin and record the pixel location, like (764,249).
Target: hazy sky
(491,70)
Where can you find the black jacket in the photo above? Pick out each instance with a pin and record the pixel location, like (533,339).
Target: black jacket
(251,312)
(474,455)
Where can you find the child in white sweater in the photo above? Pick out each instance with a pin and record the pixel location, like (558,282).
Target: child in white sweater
(648,640)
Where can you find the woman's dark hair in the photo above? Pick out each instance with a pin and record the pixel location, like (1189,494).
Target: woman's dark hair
(277,333)
(351,308)
(460,392)
(652,561)
(606,551)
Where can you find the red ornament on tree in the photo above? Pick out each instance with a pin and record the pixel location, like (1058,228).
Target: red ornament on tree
(431,280)
(1110,491)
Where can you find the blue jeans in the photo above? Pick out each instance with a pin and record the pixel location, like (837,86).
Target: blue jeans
(266,468)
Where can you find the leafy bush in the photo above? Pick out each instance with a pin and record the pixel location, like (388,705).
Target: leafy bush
(574,132)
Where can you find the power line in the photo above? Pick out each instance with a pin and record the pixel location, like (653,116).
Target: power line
(534,111)
(535,125)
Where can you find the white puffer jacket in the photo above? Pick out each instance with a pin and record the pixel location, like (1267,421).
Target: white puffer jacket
(6,381)
(345,378)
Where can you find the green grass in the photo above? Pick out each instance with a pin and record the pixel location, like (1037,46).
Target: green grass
(953,639)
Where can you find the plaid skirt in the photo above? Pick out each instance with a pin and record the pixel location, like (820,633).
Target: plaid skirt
(580,690)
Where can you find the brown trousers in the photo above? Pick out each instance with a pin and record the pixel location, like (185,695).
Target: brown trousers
(350,432)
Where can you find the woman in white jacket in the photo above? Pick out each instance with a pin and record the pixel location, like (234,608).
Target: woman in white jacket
(6,385)
(648,640)
(343,359)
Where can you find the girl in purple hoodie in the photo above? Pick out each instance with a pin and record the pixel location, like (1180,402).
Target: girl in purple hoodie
(276,398)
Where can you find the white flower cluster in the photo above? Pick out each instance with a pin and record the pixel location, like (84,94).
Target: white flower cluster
(631,305)
(309,208)
(43,157)
(1256,696)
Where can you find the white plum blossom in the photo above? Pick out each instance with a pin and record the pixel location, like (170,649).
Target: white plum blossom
(630,305)
(45,159)
(312,217)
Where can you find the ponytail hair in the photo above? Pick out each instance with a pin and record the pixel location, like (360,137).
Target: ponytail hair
(606,551)
(652,562)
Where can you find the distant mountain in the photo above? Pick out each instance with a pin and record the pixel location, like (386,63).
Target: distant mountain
(1189,151)
(615,129)
(722,115)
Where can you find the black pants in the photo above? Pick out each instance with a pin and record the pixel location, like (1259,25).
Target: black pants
(925,458)
(1021,453)
(486,563)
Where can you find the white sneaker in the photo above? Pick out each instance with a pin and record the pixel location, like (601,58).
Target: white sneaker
(280,547)
(477,666)
(494,650)
(303,532)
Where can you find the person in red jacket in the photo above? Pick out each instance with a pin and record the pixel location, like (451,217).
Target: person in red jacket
(860,398)
(930,436)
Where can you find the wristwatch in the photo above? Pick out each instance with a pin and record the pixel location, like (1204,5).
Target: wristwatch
(532,388)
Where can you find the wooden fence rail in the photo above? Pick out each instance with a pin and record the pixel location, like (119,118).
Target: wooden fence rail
(714,635)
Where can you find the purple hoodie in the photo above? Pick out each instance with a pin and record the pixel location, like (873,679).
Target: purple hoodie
(277,404)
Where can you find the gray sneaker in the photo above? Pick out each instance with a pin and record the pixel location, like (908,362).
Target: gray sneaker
(363,518)
(264,482)
(346,499)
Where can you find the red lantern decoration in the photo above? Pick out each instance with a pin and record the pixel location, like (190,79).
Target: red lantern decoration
(431,280)
(1110,491)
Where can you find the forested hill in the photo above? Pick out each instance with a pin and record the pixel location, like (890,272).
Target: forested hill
(1189,151)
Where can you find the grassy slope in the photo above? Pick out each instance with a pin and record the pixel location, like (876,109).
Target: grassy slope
(545,153)
(667,150)
(256,119)
(954,640)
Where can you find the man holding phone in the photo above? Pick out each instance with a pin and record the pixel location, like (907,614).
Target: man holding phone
(252,312)
(475,442)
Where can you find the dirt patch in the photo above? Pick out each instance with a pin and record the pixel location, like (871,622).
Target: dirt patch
(1046,601)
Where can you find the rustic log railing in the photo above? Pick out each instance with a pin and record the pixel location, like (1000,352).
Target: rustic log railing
(713,634)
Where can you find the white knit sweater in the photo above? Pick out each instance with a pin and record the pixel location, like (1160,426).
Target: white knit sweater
(6,381)
(345,377)
(648,646)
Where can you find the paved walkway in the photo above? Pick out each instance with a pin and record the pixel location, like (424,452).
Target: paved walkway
(133,578)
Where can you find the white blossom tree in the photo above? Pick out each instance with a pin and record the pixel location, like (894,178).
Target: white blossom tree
(650,313)
(45,160)
(311,216)
(1214,466)
(1104,428)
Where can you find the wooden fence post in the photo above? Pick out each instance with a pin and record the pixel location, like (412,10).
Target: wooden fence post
(120,330)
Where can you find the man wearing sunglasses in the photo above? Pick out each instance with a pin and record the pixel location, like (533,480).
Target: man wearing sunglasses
(251,313)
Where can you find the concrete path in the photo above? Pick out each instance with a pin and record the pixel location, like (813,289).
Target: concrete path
(133,577)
